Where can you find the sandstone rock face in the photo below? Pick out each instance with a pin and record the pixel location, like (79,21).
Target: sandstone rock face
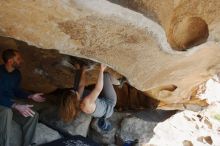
(189,128)
(189,32)
(78,126)
(170,13)
(159,11)
(133,44)
(107,138)
(43,134)
(149,127)
(134,128)
(102,137)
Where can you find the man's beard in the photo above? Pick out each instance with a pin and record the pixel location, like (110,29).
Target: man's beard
(16,65)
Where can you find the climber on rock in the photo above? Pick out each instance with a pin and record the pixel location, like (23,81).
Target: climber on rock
(98,102)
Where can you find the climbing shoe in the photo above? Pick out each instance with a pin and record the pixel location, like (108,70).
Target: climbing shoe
(104,125)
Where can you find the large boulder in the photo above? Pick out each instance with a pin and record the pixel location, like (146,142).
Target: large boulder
(189,128)
(133,129)
(45,134)
(78,126)
(129,42)
(189,32)
(102,137)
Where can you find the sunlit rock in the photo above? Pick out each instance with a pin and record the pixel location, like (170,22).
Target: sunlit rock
(189,128)
(188,32)
(129,42)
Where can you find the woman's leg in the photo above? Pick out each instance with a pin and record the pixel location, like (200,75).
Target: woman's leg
(108,90)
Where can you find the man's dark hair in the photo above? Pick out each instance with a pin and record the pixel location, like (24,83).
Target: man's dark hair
(8,54)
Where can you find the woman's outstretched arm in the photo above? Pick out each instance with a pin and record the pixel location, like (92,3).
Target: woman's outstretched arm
(82,82)
(91,98)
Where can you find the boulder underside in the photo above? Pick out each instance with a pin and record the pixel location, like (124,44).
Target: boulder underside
(162,48)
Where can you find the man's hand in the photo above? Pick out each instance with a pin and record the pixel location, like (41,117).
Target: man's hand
(103,67)
(24,110)
(37,97)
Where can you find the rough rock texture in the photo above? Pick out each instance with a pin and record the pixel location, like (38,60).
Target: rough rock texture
(42,70)
(50,70)
(210,90)
(128,42)
(133,128)
(172,13)
(137,128)
(107,138)
(43,134)
(102,137)
(189,32)
(78,126)
(189,128)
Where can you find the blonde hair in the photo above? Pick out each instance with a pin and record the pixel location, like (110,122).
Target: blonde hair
(69,105)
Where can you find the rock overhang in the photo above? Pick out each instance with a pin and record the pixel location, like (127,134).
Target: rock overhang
(127,41)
